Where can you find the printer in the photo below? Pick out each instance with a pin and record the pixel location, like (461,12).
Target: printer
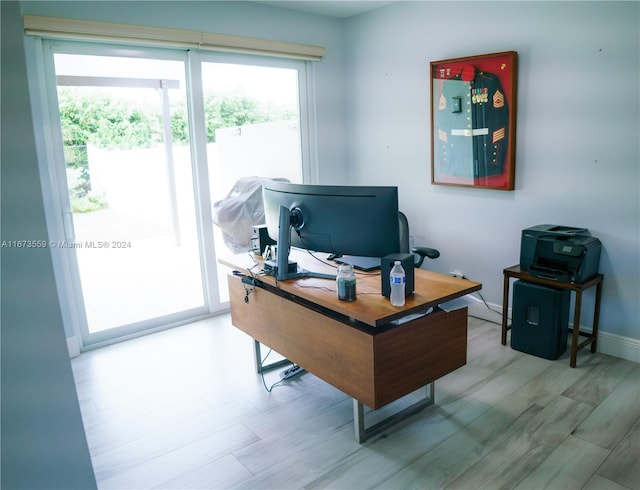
(560,253)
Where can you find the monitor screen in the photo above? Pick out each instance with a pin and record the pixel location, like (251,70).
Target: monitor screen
(342,220)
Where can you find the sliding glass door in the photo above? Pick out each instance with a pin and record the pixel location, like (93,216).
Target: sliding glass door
(254,132)
(129,199)
(146,148)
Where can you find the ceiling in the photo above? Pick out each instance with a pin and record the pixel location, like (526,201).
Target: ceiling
(331,8)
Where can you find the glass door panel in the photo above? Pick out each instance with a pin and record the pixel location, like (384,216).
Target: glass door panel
(253,123)
(130,189)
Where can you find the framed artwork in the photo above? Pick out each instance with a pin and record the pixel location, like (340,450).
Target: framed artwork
(473,121)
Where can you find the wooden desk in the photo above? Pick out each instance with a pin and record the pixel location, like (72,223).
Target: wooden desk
(514,272)
(353,345)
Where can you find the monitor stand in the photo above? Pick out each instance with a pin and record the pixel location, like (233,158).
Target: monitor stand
(284,245)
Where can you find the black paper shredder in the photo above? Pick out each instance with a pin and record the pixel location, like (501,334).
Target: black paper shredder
(540,319)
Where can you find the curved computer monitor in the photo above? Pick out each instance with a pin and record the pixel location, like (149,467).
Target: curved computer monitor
(343,220)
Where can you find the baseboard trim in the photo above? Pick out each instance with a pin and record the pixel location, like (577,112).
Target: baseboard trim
(619,346)
(608,343)
(489,312)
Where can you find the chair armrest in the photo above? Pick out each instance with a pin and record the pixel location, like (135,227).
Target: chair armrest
(423,252)
(432,253)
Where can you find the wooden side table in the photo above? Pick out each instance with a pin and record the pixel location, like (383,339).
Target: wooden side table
(514,272)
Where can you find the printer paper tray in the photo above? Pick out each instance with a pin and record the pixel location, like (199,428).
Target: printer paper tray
(553,274)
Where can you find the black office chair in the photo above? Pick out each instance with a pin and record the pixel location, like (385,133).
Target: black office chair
(419,253)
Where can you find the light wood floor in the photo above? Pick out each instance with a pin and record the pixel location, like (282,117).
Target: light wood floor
(184,408)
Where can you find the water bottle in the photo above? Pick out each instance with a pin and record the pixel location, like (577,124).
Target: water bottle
(398,280)
(346,282)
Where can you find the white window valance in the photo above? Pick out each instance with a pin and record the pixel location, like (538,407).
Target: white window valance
(61,28)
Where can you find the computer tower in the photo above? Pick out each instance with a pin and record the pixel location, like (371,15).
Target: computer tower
(540,319)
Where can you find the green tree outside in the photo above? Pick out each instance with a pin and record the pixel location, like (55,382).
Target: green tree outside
(111,123)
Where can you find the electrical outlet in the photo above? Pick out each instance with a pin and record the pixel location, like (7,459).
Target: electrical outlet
(457,274)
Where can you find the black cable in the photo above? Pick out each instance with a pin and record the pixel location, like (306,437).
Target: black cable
(487,306)
(306,249)
(262,374)
(246,280)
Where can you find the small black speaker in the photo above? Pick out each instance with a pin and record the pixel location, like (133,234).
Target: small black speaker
(540,319)
(386,264)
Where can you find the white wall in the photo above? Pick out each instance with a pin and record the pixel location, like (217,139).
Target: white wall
(578,121)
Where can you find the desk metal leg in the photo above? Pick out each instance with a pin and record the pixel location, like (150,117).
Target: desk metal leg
(363,433)
(258,359)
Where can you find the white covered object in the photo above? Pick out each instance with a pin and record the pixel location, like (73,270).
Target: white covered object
(239,211)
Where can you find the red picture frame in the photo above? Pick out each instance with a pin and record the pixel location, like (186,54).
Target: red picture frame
(473,121)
